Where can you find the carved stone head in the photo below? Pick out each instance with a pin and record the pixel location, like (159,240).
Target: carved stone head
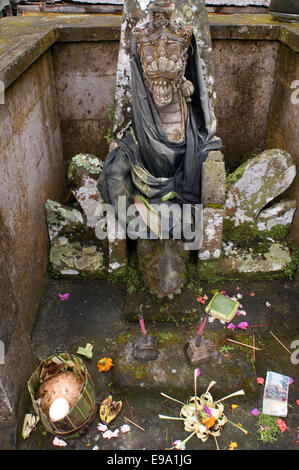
(163,48)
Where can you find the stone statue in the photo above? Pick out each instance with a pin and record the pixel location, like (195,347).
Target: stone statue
(173,125)
(163,51)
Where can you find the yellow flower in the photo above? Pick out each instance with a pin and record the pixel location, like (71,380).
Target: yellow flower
(233,407)
(105,364)
(233,445)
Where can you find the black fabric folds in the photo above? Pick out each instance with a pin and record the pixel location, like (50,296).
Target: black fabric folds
(146,162)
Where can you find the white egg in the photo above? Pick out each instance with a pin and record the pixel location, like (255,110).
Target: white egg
(59,409)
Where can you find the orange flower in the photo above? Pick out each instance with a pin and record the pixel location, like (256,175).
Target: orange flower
(209,422)
(105,364)
(233,445)
(233,407)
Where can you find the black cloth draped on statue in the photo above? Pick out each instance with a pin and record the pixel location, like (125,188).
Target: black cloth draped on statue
(145,161)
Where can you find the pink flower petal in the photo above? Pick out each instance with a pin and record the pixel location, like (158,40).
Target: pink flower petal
(197,372)
(64,296)
(260,380)
(297,402)
(290,380)
(178,442)
(255,412)
(231,326)
(252,294)
(109,434)
(208,411)
(102,427)
(281,424)
(243,325)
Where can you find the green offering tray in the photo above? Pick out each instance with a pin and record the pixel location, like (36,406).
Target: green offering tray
(222,307)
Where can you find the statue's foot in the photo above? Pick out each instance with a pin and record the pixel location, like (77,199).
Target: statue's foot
(163,265)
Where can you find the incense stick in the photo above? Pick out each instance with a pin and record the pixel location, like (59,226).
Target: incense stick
(129,408)
(280,342)
(173,399)
(171,417)
(239,392)
(243,344)
(134,424)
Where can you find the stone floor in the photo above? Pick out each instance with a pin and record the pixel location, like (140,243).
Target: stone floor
(93,314)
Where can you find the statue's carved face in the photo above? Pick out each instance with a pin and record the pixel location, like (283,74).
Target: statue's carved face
(163,56)
(162,60)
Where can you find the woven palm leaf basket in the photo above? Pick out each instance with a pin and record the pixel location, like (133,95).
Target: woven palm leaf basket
(80,415)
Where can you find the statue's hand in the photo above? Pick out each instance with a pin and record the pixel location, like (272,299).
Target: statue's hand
(187,89)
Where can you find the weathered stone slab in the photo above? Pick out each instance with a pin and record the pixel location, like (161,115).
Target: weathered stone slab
(74,258)
(83,174)
(212,233)
(117,243)
(213,180)
(240,263)
(62,219)
(257,182)
(281,213)
(136,11)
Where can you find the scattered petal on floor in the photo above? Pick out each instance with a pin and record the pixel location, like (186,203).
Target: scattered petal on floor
(102,427)
(239,296)
(211,319)
(252,294)
(64,296)
(243,325)
(109,434)
(95,448)
(260,380)
(281,424)
(291,380)
(268,304)
(233,445)
(242,312)
(231,326)
(177,443)
(59,442)
(255,412)
(297,402)
(125,428)
(233,407)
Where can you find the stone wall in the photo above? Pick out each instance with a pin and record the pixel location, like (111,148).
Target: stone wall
(245,73)
(85,82)
(31,172)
